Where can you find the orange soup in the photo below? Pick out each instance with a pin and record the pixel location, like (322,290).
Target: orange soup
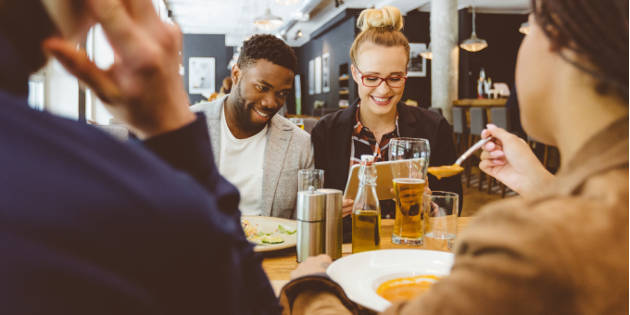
(405,288)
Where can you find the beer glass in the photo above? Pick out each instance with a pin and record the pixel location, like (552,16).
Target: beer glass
(310,179)
(440,219)
(410,178)
(298,122)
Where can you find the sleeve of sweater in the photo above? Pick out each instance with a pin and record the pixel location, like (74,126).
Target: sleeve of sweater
(188,149)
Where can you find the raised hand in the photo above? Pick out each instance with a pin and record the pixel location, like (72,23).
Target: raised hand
(143,87)
(511,161)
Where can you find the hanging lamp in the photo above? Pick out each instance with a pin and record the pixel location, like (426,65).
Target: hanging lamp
(268,21)
(474,43)
(427,54)
(524,28)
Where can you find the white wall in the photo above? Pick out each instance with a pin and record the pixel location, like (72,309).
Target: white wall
(61,91)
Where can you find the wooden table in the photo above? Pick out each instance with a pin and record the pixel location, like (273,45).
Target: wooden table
(480,102)
(279,264)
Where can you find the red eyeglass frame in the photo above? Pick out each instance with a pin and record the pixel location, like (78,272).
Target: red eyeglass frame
(381,80)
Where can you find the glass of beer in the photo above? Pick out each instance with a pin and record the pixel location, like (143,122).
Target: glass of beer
(298,122)
(410,178)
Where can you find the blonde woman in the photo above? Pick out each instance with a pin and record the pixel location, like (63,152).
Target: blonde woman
(379,55)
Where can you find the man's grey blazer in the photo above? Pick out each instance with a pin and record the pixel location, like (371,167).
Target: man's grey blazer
(288,150)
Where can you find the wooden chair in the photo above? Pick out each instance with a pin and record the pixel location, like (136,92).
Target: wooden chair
(498,116)
(478,122)
(460,129)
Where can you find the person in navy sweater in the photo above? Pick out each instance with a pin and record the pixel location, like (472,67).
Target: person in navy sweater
(91,225)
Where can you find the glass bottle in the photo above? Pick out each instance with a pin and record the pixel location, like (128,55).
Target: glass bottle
(366,212)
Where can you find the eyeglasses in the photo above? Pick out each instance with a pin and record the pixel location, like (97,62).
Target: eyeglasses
(372,81)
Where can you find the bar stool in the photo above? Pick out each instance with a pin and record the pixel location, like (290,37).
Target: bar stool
(498,116)
(460,130)
(478,122)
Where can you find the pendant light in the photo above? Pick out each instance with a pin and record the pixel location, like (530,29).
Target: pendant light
(287,2)
(268,21)
(474,43)
(427,54)
(524,28)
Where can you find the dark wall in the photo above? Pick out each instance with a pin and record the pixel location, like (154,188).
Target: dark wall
(336,41)
(417,31)
(498,59)
(207,45)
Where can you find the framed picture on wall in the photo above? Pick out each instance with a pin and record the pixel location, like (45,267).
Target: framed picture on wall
(326,72)
(201,72)
(318,75)
(417,66)
(311,77)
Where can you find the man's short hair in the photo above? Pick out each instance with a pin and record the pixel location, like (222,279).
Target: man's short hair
(269,47)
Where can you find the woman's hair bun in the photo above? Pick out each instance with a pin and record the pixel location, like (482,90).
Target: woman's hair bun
(387,17)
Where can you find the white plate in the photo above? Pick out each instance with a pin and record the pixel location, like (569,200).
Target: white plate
(269,225)
(360,274)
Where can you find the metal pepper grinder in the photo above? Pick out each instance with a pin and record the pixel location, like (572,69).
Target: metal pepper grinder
(311,217)
(334,224)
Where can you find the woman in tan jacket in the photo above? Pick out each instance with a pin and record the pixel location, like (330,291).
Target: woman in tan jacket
(562,246)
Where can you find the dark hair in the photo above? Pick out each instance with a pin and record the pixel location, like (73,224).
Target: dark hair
(268,47)
(596,30)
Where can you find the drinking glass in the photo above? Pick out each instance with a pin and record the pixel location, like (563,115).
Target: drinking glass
(409,181)
(440,215)
(310,179)
(298,122)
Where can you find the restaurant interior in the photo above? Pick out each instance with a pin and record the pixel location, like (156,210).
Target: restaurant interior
(321,32)
(461,68)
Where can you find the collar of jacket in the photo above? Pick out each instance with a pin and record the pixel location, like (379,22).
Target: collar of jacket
(606,150)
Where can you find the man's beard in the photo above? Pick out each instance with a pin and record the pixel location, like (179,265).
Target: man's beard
(243,112)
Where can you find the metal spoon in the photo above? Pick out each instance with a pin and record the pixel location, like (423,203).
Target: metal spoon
(451,170)
(471,150)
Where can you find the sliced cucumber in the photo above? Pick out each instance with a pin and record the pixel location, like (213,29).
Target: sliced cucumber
(272,240)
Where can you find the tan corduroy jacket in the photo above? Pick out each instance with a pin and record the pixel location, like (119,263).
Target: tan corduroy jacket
(563,252)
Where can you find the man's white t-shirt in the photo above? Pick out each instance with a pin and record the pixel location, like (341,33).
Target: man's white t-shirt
(241,163)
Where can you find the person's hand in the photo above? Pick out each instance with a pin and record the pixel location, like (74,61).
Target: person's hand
(510,160)
(347,207)
(143,87)
(311,265)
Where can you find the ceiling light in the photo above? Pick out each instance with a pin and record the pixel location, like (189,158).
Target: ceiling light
(474,43)
(298,35)
(427,54)
(268,21)
(524,28)
(287,2)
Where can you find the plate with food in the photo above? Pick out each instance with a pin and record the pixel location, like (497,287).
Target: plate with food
(270,233)
(377,278)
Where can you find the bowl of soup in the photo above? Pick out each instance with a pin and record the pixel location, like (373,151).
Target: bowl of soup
(375,279)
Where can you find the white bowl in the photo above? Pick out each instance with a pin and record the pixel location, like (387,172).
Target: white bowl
(360,274)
